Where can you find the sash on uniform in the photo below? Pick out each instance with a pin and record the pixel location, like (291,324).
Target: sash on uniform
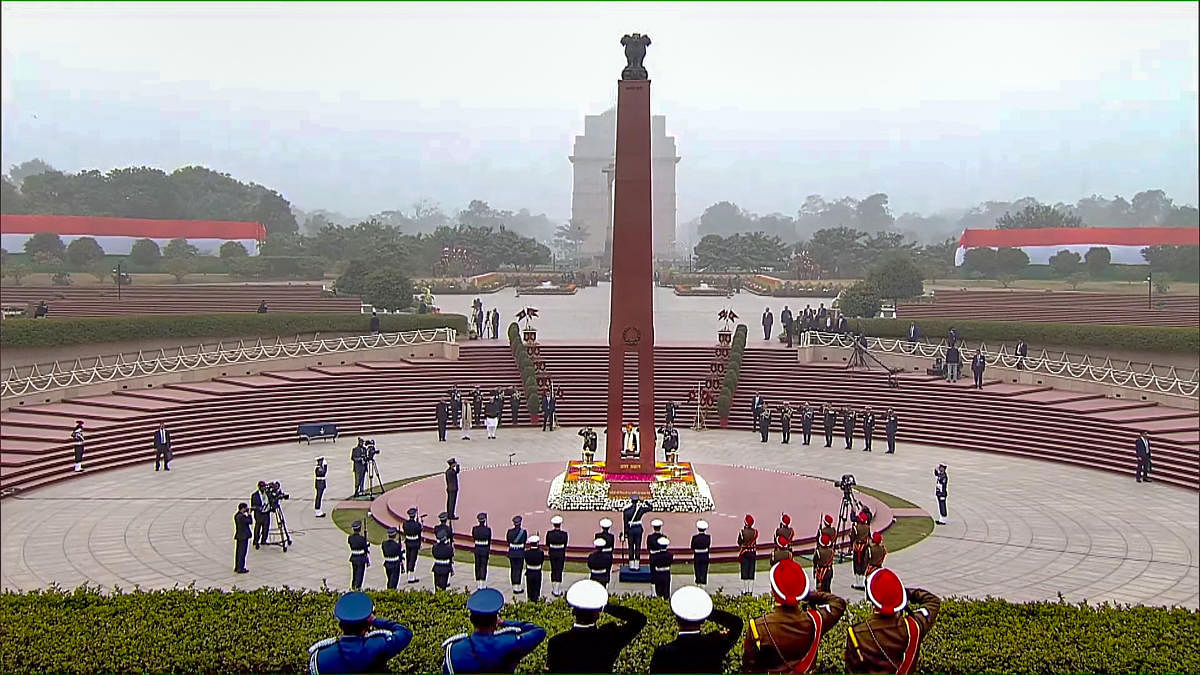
(910,650)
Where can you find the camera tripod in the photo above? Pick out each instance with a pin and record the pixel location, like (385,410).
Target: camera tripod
(280,530)
(374,481)
(849,509)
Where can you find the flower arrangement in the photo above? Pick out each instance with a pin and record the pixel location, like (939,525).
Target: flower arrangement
(673,491)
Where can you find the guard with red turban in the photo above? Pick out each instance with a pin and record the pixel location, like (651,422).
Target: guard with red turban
(890,641)
(860,537)
(823,563)
(876,553)
(785,529)
(748,554)
(786,639)
(782,550)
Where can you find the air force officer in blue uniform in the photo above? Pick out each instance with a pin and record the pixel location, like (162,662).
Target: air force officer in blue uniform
(367,642)
(494,646)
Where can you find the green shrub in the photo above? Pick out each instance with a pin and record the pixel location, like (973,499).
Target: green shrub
(81,331)
(270,630)
(533,398)
(1064,335)
(732,370)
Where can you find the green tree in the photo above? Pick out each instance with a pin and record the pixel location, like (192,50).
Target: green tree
(980,262)
(1011,261)
(387,288)
(16,272)
(1038,216)
(180,248)
(859,300)
(937,260)
(897,277)
(84,251)
(711,252)
(11,199)
(1065,263)
(33,167)
(1098,261)
(145,253)
(837,251)
(1075,280)
(570,236)
(233,249)
(1181,262)
(873,213)
(48,244)
(724,218)
(178,266)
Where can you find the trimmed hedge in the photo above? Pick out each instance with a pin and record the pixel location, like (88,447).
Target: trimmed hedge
(533,397)
(1132,338)
(269,631)
(733,370)
(80,331)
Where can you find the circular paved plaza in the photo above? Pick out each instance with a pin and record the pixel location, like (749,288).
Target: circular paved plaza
(1019,529)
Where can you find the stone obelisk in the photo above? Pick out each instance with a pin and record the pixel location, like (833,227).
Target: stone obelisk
(631,331)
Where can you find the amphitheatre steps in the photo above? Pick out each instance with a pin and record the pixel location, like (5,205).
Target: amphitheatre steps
(85,301)
(1056,306)
(229,412)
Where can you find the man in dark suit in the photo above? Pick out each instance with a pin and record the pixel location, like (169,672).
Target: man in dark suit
(241,535)
(849,417)
(1142,448)
(1021,351)
(162,447)
(785,318)
(262,514)
(514,403)
(978,364)
(953,364)
(374,322)
(694,651)
(891,424)
(768,320)
(756,407)
(589,647)
(914,333)
(443,417)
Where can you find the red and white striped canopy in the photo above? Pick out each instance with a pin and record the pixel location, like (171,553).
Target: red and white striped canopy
(1124,243)
(116,235)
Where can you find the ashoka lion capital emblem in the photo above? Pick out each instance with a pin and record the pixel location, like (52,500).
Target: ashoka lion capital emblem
(635,52)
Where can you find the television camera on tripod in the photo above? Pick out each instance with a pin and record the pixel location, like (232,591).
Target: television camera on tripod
(849,509)
(275,495)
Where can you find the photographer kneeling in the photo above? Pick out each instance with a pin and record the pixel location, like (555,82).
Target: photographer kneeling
(359,649)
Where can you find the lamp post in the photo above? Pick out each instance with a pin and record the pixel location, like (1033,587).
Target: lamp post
(1150,290)
(117,277)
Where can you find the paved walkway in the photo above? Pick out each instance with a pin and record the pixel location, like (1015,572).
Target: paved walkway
(1019,529)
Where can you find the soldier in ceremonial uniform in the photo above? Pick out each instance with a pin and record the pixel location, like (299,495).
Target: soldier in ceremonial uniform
(672,410)
(785,421)
(455,405)
(589,444)
(77,440)
(830,419)
(412,543)
(443,526)
(890,425)
(786,639)
(806,422)
(748,554)
(670,444)
(632,517)
(660,568)
(481,536)
(443,418)
(604,533)
(443,560)
(785,529)
(556,542)
(868,427)
(827,528)
(849,417)
(890,641)
(654,539)
(876,552)
(782,550)
(823,563)
(493,646)
(534,558)
(319,473)
(367,642)
(695,651)
(701,542)
(452,470)
(860,537)
(359,555)
(764,424)
(393,557)
(516,537)
(941,490)
(589,647)
(599,562)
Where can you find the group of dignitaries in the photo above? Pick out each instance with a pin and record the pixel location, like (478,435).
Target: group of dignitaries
(474,408)
(784,640)
(829,416)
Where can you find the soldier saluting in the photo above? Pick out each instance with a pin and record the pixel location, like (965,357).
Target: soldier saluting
(589,444)
(786,639)
(829,421)
(556,542)
(632,517)
(868,428)
(806,422)
(785,421)
(848,419)
(481,535)
(319,473)
(890,641)
(589,647)
(890,425)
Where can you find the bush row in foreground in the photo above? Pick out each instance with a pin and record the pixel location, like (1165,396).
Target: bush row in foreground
(79,331)
(269,631)
(1132,338)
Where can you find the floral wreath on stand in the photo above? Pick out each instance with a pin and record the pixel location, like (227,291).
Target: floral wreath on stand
(631,335)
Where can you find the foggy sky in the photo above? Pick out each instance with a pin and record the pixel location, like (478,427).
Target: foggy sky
(361,108)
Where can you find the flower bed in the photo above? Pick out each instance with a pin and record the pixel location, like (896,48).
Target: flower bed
(703,292)
(673,490)
(569,289)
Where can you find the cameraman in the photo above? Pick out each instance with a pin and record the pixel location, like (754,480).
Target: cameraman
(260,504)
(359,649)
(359,457)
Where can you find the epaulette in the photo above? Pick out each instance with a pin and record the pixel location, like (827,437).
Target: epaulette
(506,629)
(322,644)
(378,633)
(455,638)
